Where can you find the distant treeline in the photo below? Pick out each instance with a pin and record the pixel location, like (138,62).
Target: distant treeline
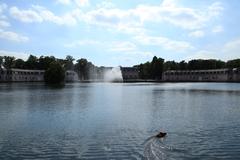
(154,69)
(84,68)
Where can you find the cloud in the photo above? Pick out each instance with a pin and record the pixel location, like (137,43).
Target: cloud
(79,3)
(12,36)
(39,14)
(125,20)
(65,2)
(197,34)
(25,15)
(4,24)
(133,21)
(202,54)
(3,19)
(164,42)
(3,7)
(217,29)
(115,46)
(231,49)
(82,43)
(21,55)
(227,51)
(123,47)
(106,4)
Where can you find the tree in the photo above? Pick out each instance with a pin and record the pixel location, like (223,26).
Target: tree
(69,62)
(220,64)
(55,74)
(8,62)
(233,63)
(19,63)
(183,65)
(44,62)
(1,61)
(32,62)
(171,65)
(157,68)
(81,68)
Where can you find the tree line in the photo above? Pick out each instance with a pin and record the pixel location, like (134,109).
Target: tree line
(149,70)
(154,68)
(55,68)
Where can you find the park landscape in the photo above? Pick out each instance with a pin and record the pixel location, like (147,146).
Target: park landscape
(151,80)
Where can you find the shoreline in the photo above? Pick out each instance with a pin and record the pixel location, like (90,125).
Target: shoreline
(124,81)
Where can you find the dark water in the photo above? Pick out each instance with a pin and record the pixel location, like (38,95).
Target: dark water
(113,121)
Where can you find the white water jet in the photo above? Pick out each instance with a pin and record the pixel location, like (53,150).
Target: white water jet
(113,75)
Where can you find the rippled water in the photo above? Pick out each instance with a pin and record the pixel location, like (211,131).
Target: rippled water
(115,120)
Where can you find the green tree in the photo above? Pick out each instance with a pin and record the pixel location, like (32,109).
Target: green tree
(55,74)
(157,68)
(69,62)
(81,68)
(183,65)
(19,63)
(1,61)
(44,62)
(8,62)
(171,65)
(233,63)
(32,62)
(220,64)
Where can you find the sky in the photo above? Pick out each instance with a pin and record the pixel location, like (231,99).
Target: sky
(121,32)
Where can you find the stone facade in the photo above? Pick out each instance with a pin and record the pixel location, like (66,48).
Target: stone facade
(71,76)
(22,75)
(129,73)
(217,75)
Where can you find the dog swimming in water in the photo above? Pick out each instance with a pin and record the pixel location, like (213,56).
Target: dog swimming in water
(161,135)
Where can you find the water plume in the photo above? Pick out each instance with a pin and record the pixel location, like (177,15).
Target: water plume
(113,75)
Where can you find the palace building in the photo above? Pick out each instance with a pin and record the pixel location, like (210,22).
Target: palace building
(23,75)
(215,75)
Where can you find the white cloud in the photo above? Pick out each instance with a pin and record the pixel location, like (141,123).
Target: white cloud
(202,54)
(106,4)
(217,29)
(164,42)
(40,14)
(227,51)
(82,43)
(197,34)
(3,19)
(122,47)
(81,3)
(21,55)
(12,36)
(3,6)
(65,2)
(115,46)
(25,15)
(133,20)
(231,49)
(130,20)
(4,24)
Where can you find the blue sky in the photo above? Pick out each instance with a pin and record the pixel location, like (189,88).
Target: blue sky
(121,32)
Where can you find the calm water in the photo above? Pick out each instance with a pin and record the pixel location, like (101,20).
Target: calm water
(114,121)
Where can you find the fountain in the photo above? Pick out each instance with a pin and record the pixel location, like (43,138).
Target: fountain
(113,75)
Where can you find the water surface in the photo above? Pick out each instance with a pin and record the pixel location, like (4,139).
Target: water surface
(114,120)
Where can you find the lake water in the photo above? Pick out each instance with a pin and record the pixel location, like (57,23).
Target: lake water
(115,120)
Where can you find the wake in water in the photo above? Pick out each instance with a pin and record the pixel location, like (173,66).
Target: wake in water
(159,149)
(155,148)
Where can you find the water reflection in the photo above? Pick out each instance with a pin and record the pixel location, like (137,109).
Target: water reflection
(112,121)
